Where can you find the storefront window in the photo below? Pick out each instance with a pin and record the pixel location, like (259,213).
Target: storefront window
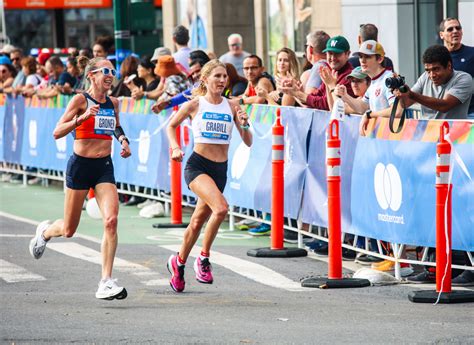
(30,29)
(289,21)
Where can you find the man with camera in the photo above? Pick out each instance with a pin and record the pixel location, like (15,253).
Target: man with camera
(442,92)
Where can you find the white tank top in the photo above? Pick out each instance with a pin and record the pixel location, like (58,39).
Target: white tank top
(213,123)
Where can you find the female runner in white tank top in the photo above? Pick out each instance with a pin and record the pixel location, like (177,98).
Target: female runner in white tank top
(213,118)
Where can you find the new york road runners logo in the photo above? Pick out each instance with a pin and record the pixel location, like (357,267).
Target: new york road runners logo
(388,192)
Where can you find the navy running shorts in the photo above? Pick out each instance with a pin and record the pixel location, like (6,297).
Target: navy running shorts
(83,173)
(198,165)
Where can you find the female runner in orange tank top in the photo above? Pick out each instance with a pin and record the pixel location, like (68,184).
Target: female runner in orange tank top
(94,117)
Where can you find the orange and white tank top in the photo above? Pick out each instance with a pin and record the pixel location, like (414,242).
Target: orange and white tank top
(101,125)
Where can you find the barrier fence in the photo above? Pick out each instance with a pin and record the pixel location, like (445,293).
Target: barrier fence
(388,185)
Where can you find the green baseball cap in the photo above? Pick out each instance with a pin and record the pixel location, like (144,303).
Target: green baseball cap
(337,44)
(357,73)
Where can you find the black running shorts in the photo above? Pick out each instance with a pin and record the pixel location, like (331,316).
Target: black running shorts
(198,165)
(84,173)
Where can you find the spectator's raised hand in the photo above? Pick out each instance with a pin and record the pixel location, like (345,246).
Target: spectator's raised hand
(287,85)
(261,92)
(138,93)
(328,76)
(340,91)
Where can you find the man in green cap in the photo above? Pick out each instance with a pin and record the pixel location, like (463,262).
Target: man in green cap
(337,55)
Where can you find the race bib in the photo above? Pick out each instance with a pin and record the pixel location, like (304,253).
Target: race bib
(216,126)
(105,122)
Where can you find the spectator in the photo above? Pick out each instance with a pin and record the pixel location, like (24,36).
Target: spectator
(450,31)
(258,83)
(315,45)
(368,32)
(128,67)
(7,74)
(73,69)
(197,59)
(147,74)
(236,55)
(172,79)
(87,52)
(160,51)
(442,92)
(378,99)
(58,78)
(236,84)
(103,46)
(360,82)
(337,54)
(286,67)
(181,39)
(15,56)
(32,79)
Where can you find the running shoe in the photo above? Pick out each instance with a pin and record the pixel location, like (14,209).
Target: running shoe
(262,230)
(38,243)
(290,236)
(203,269)
(388,266)
(177,274)
(109,290)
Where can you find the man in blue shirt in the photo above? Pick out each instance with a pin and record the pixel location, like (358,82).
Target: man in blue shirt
(450,31)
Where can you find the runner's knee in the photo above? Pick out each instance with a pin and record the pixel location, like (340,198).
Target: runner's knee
(110,224)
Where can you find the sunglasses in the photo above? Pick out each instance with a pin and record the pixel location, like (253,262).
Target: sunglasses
(15,59)
(235,45)
(105,71)
(451,28)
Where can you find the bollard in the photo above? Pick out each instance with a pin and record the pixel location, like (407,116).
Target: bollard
(333,172)
(278,201)
(278,183)
(176,192)
(443,293)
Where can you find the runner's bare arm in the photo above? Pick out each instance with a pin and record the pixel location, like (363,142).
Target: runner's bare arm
(71,118)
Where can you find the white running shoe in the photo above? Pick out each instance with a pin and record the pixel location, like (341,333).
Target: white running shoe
(145,203)
(109,290)
(38,244)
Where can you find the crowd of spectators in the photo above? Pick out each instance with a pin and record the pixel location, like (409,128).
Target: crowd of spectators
(330,71)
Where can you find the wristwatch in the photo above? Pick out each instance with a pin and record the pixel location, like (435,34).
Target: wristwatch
(367,113)
(241,101)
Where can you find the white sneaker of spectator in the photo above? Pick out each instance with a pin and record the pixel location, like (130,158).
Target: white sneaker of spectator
(156,209)
(145,203)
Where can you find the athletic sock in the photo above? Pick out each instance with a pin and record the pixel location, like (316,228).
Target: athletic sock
(180,261)
(204,255)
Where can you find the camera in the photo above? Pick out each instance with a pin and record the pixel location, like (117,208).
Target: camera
(397,82)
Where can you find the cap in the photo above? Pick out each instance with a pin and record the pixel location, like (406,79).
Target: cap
(337,44)
(371,47)
(357,73)
(43,57)
(160,51)
(166,67)
(5,60)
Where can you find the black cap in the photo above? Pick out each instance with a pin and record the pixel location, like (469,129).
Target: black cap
(198,56)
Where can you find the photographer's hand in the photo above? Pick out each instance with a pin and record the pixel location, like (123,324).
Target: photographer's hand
(404,97)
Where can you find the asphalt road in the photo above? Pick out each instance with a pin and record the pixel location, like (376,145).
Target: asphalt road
(252,301)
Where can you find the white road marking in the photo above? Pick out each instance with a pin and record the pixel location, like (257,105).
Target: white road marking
(12,273)
(81,252)
(250,270)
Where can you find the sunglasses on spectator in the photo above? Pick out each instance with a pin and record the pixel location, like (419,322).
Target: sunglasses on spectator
(235,45)
(106,71)
(451,28)
(15,59)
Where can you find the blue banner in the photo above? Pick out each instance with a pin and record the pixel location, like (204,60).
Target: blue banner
(314,205)
(2,121)
(396,195)
(13,129)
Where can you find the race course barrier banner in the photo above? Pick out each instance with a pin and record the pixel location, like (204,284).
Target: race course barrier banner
(388,180)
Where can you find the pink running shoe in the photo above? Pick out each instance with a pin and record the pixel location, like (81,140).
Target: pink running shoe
(203,270)
(177,274)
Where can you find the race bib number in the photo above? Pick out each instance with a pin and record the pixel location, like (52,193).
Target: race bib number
(216,126)
(105,122)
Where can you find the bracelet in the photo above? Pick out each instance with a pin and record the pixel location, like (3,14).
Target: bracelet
(331,90)
(176,148)
(145,94)
(77,124)
(245,128)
